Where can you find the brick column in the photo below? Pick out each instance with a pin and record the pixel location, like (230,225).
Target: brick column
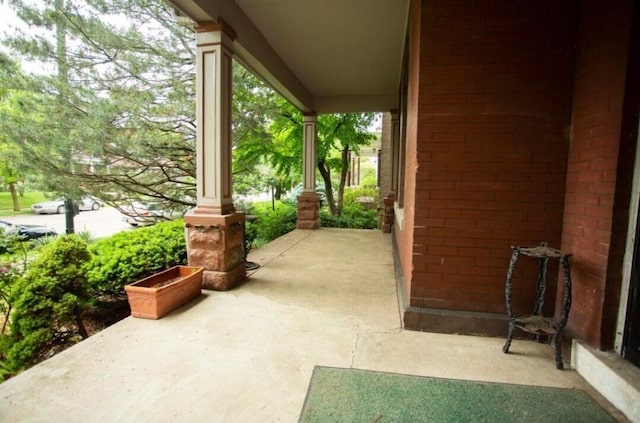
(387,164)
(309,202)
(213,228)
(388,213)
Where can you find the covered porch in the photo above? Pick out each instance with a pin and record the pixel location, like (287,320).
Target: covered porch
(325,297)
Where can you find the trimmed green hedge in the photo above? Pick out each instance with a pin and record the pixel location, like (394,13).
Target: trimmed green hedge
(270,224)
(353,218)
(131,255)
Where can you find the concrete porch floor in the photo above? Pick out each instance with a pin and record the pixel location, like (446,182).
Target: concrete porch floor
(325,297)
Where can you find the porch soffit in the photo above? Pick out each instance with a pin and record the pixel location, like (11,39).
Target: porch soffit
(324,56)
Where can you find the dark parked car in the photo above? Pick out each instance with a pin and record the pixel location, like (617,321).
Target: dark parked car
(26,231)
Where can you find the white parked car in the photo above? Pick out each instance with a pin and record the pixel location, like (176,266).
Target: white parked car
(147,213)
(88,202)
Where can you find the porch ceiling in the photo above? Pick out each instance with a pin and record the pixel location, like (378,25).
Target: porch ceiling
(323,56)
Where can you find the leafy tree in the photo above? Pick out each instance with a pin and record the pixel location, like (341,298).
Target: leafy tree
(255,107)
(126,124)
(118,116)
(12,166)
(337,135)
(117,120)
(8,175)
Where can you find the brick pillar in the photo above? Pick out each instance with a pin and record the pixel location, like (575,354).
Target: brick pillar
(388,213)
(216,243)
(214,231)
(308,211)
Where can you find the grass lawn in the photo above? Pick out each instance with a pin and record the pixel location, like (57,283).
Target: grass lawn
(29,198)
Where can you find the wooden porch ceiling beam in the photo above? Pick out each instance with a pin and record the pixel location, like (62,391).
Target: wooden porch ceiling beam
(251,48)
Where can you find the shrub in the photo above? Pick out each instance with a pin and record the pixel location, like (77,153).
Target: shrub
(85,236)
(352,195)
(41,242)
(48,303)
(13,259)
(127,256)
(9,277)
(355,214)
(369,182)
(271,224)
(354,218)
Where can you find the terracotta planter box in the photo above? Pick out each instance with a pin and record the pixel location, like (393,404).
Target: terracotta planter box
(158,294)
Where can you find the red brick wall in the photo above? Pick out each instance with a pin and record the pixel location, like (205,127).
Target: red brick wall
(598,175)
(494,109)
(404,234)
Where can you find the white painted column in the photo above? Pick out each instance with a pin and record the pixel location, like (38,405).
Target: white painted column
(213,118)
(309,153)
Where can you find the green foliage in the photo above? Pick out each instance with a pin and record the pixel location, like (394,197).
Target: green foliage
(353,196)
(9,276)
(254,106)
(14,257)
(43,240)
(337,135)
(356,213)
(350,218)
(127,256)
(48,302)
(12,158)
(85,236)
(5,371)
(270,224)
(369,181)
(122,97)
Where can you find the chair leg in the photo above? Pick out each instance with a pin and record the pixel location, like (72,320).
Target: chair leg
(557,343)
(507,293)
(507,344)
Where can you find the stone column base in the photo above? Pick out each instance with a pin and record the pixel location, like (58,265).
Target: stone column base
(223,281)
(215,242)
(388,213)
(308,211)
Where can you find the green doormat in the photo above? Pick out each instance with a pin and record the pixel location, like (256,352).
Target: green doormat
(350,395)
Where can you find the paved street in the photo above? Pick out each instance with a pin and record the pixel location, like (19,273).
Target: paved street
(100,223)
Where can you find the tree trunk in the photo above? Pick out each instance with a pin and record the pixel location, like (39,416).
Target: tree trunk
(343,178)
(278,193)
(14,196)
(6,316)
(81,329)
(326,177)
